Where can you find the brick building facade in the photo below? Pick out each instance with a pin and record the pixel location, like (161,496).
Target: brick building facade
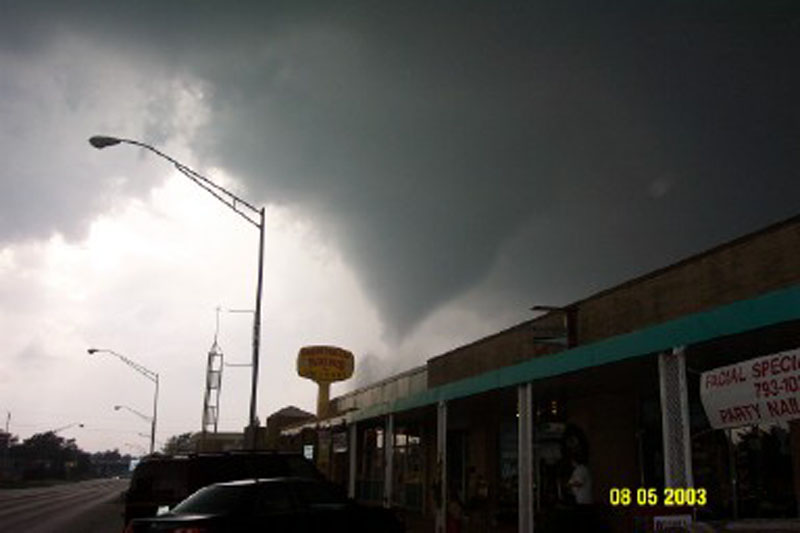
(613,377)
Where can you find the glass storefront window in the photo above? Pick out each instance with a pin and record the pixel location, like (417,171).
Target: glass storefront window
(747,471)
(507,489)
(407,469)
(370,483)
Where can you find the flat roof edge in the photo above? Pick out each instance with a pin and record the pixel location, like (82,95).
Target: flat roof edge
(778,306)
(731,243)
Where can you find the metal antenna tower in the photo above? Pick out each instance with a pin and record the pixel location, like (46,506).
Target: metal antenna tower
(213,383)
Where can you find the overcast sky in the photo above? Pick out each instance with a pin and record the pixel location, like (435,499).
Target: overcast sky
(430,171)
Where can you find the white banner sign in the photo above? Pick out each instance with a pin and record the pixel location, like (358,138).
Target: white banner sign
(766,389)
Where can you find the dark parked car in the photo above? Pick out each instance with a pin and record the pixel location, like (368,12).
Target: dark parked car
(276,505)
(163,481)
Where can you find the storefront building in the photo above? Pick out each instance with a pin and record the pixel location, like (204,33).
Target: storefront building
(633,382)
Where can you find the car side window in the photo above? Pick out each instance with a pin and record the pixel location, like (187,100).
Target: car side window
(273,498)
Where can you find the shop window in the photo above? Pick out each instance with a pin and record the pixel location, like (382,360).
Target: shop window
(746,471)
(339,459)
(507,489)
(457,454)
(649,440)
(408,472)
(370,483)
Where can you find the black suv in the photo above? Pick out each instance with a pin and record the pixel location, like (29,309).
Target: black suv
(278,505)
(164,480)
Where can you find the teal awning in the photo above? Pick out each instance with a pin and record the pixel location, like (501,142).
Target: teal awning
(745,315)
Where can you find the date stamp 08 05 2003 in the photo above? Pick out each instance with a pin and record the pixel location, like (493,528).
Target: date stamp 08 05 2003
(669,497)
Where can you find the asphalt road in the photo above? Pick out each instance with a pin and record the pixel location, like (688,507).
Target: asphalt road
(86,507)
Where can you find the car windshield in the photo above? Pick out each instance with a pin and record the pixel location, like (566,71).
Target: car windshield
(216,499)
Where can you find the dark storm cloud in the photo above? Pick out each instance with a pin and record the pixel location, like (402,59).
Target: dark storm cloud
(50,179)
(576,144)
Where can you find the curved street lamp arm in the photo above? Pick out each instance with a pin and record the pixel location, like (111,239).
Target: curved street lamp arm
(146,436)
(229,199)
(62,428)
(183,168)
(141,449)
(134,411)
(146,372)
(219,192)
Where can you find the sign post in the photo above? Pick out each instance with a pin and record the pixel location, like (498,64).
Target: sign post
(324,365)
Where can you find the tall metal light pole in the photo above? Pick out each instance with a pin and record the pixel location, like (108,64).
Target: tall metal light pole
(149,374)
(253,215)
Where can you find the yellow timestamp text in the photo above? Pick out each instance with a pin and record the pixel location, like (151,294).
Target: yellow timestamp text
(669,497)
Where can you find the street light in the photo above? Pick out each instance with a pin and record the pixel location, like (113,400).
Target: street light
(62,428)
(146,436)
(252,214)
(136,446)
(149,374)
(134,411)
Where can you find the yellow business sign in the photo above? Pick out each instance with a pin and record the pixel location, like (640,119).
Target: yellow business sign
(324,363)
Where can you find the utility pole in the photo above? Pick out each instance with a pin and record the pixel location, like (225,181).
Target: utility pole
(254,216)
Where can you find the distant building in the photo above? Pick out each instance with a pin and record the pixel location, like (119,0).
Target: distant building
(217,442)
(288,416)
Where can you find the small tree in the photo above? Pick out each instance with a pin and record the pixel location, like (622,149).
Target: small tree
(110,463)
(179,444)
(44,455)
(7,439)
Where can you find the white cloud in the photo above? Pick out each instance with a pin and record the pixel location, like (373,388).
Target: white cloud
(145,283)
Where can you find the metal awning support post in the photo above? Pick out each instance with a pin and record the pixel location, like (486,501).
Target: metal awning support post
(388,472)
(525,456)
(733,474)
(675,419)
(155,418)
(440,480)
(352,431)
